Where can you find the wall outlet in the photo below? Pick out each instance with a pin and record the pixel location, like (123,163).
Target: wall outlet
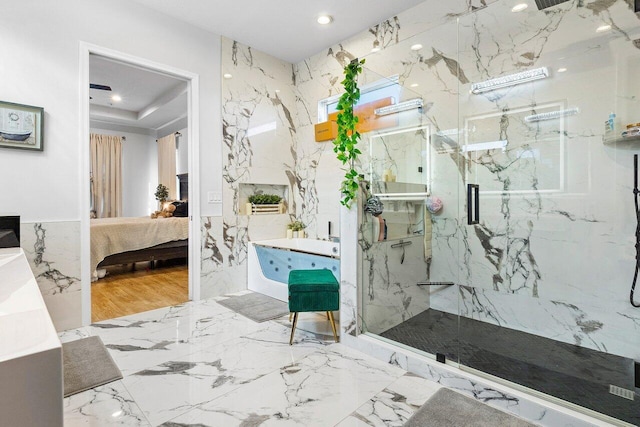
(214,197)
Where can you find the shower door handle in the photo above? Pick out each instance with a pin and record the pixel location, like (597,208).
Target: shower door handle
(473,204)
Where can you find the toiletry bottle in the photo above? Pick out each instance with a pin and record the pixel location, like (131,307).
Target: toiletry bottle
(612,124)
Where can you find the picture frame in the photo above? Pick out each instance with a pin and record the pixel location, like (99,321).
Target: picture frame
(21,126)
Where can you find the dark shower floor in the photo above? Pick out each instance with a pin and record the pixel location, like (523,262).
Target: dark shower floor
(575,374)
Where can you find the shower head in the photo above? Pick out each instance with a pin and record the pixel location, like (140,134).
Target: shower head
(545,4)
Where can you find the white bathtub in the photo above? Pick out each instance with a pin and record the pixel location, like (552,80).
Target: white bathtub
(271,260)
(29,348)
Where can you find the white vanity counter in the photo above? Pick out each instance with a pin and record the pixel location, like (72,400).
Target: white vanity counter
(31,383)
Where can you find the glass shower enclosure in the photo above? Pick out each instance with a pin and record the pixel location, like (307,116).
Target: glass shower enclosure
(506,240)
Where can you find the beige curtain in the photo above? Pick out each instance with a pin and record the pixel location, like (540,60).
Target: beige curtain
(167,164)
(106,175)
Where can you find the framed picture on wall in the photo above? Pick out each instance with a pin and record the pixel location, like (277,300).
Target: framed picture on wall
(21,126)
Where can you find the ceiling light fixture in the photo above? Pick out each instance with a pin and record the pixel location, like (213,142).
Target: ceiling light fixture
(325,19)
(375,49)
(603,28)
(227,75)
(510,80)
(414,85)
(562,70)
(416,46)
(551,115)
(116,98)
(519,7)
(402,106)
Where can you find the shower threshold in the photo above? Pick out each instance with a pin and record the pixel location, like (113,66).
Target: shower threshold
(569,372)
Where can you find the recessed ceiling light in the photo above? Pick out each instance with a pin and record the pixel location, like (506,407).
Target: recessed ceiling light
(519,7)
(603,28)
(562,70)
(227,75)
(277,90)
(375,49)
(116,98)
(414,85)
(416,46)
(325,19)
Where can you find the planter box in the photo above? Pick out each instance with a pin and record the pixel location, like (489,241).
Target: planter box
(267,209)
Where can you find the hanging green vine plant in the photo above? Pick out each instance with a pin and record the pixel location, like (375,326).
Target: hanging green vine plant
(345,145)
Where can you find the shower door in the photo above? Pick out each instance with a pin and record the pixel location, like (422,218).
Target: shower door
(546,251)
(409,264)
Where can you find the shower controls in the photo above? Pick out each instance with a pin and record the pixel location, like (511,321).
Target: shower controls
(441,358)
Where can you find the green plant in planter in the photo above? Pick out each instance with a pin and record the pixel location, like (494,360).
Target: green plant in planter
(265,199)
(296,226)
(345,145)
(162,192)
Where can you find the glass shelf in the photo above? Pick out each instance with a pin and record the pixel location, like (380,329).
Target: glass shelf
(621,140)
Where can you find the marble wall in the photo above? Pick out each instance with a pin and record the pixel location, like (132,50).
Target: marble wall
(259,147)
(52,249)
(554,251)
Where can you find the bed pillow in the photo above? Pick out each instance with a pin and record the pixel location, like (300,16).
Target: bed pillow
(182,209)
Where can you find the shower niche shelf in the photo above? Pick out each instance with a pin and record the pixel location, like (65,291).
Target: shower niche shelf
(621,140)
(248,189)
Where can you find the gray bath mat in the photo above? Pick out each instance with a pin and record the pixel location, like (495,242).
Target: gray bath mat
(256,307)
(447,408)
(87,364)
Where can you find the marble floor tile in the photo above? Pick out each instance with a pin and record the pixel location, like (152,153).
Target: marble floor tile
(319,390)
(151,348)
(172,388)
(106,405)
(74,334)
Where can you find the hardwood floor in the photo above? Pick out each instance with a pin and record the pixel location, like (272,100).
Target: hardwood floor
(122,293)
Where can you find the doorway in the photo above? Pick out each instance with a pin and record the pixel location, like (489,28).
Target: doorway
(141,106)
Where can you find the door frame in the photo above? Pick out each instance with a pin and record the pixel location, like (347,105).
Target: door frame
(193,138)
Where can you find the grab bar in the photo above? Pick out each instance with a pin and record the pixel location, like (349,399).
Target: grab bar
(435,283)
(401,244)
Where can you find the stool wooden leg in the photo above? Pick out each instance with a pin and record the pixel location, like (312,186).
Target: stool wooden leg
(328,318)
(333,325)
(293,327)
(290,315)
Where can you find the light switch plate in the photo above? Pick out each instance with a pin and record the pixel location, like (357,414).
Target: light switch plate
(214,197)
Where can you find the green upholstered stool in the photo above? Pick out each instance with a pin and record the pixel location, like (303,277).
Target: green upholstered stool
(313,290)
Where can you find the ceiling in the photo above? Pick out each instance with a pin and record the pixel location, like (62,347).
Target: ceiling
(150,100)
(286,29)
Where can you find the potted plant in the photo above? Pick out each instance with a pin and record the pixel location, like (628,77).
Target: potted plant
(265,204)
(162,193)
(295,230)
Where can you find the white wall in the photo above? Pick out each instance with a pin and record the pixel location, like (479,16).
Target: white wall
(41,67)
(139,172)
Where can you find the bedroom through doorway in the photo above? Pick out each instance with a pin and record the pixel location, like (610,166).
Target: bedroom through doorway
(139,180)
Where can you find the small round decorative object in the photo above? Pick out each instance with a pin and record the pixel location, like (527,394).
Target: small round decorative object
(434,204)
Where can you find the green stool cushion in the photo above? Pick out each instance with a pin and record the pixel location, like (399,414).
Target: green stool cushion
(313,290)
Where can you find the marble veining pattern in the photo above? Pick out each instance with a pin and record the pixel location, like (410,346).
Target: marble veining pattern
(53,258)
(245,373)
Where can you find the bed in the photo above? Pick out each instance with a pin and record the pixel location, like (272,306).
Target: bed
(128,240)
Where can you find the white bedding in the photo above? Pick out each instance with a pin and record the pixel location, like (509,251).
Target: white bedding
(115,235)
